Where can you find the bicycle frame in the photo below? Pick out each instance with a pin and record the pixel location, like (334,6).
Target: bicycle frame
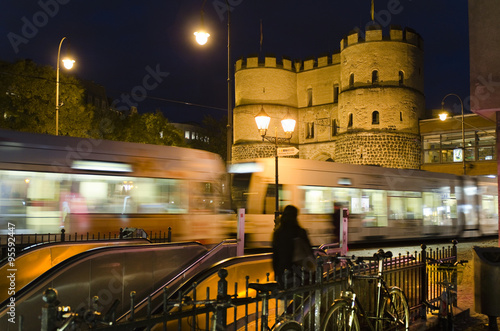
(382,291)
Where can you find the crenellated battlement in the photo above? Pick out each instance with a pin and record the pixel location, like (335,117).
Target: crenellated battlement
(373,33)
(285,63)
(376,33)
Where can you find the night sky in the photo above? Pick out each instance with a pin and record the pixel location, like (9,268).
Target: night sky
(118,43)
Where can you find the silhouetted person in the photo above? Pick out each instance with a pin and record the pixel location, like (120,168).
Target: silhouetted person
(283,245)
(336,219)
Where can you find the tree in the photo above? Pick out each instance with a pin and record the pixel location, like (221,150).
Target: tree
(151,128)
(27,100)
(216,130)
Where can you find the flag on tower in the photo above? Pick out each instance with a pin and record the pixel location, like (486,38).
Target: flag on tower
(261,35)
(372,11)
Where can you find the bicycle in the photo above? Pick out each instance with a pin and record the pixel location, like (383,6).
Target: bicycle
(447,273)
(264,291)
(392,311)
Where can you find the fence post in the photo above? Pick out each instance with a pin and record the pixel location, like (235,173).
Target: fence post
(169,240)
(423,275)
(221,295)
(317,294)
(49,310)
(121,233)
(454,250)
(63,235)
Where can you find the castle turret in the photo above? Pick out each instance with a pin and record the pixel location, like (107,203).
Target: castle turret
(381,98)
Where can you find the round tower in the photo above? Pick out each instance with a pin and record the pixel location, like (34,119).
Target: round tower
(381,98)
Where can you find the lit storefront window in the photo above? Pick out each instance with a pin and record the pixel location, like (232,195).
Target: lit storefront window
(447,147)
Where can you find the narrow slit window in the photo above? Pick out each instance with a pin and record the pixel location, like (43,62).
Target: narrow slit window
(334,127)
(401,78)
(375,117)
(310,130)
(351,80)
(374,77)
(309,97)
(335,93)
(349,125)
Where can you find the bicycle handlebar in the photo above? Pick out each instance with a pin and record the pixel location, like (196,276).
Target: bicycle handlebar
(447,263)
(379,255)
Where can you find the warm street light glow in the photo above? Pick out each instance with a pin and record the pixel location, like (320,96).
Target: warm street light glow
(201,37)
(443,116)
(262,119)
(68,64)
(288,124)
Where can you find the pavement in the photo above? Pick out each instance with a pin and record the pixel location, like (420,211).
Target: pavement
(467,319)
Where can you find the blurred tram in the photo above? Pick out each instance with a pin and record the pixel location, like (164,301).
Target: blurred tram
(90,186)
(384,204)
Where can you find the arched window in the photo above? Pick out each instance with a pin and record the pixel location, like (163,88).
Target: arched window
(375,117)
(401,78)
(334,127)
(349,125)
(374,77)
(351,80)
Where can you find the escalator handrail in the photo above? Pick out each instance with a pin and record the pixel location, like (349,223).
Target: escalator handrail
(78,258)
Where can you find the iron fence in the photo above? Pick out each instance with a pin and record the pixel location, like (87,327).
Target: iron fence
(23,241)
(237,307)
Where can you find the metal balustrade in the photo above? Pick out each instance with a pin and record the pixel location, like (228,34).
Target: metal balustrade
(237,307)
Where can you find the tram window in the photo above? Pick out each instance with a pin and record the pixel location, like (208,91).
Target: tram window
(405,205)
(270,199)
(439,208)
(489,207)
(374,206)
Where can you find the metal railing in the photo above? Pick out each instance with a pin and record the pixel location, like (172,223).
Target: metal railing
(236,307)
(24,240)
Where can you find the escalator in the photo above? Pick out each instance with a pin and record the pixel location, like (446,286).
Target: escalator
(34,261)
(111,273)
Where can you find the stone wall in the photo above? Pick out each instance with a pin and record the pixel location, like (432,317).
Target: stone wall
(386,149)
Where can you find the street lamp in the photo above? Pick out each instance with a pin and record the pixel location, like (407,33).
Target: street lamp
(202,38)
(68,64)
(263,119)
(443,117)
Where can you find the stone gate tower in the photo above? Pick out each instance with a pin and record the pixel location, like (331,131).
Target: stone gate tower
(359,106)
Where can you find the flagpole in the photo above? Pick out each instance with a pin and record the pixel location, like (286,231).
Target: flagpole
(372,11)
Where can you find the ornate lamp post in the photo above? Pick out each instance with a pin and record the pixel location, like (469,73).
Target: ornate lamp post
(263,119)
(443,117)
(68,64)
(202,38)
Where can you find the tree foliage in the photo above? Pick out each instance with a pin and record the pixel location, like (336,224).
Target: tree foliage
(28,103)
(27,100)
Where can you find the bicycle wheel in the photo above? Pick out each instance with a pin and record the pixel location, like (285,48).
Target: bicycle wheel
(447,319)
(394,313)
(288,326)
(340,317)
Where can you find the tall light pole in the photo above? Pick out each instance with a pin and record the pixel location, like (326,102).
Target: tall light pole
(202,38)
(443,117)
(262,119)
(68,64)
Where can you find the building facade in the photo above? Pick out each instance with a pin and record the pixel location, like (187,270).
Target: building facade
(359,106)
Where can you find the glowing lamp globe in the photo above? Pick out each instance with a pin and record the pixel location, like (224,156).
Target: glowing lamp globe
(201,37)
